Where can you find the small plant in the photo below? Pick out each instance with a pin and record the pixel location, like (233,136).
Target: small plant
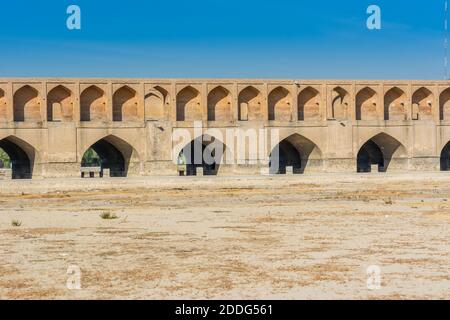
(388,202)
(16,223)
(108,216)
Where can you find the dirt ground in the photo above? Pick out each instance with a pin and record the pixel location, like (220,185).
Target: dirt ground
(298,237)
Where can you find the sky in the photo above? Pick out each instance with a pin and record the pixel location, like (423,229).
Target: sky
(280,39)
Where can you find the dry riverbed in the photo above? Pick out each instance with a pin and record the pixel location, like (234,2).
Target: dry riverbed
(302,237)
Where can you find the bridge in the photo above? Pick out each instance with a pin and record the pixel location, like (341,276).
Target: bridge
(48,125)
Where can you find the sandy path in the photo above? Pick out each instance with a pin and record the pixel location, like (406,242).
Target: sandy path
(279,237)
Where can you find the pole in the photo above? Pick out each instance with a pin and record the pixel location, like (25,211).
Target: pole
(446,41)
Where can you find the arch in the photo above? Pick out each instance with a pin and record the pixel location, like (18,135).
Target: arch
(154,106)
(366,104)
(250,104)
(309,104)
(444,105)
(125,104)
(280,104)
(340,102)
(395,104)
(163,92)
(60,104)
(219,104)
(422,104)
(188,105)
(27,106)
(209,159)
(295,151)
(154,102)
(380,151)
(92,104)
(445,158)
(21,155)
(3,106)
(115,154)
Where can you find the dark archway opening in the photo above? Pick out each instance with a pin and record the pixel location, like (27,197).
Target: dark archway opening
(203,154)
(370,155)
(106,156)
(285,155)
(296,154)
(382,152)
(445,158)
(16,159)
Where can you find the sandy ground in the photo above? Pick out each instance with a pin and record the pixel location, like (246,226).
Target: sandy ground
(301,237)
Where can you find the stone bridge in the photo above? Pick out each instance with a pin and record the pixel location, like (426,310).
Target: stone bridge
(47,125)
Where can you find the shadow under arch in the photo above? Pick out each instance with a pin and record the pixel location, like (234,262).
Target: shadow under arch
(219,104)
(188,104)
(203,152)
(395,104)
(422,104)
(249,104)
(340,103)
(379,151)
(279,103)
(366,104)
(92,104)
(444,104)
(60,104)
(125,104)
(445,158)
(26,104)
(22,156)
(295,151)
(115,154)
(308,104)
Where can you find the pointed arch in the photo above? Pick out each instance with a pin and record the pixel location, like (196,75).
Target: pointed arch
(21,155)
(295,151)
(92,104)
(115,154)
(280,104)
(60,104)
(125,104)
(444,105)
(309,104)
(155,102)
(250,104)
(27,105)
(445,158)
(3,106)
(164,93)
(395,104)
(340,101)
(366,104)
(381,151)
(204,152)
(219,104)
(188,105)
(154,106)
(422,104)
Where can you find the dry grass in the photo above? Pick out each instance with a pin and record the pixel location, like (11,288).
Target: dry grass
(108,216)
(16,223)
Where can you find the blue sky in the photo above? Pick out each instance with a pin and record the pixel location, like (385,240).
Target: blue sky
(223,38)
